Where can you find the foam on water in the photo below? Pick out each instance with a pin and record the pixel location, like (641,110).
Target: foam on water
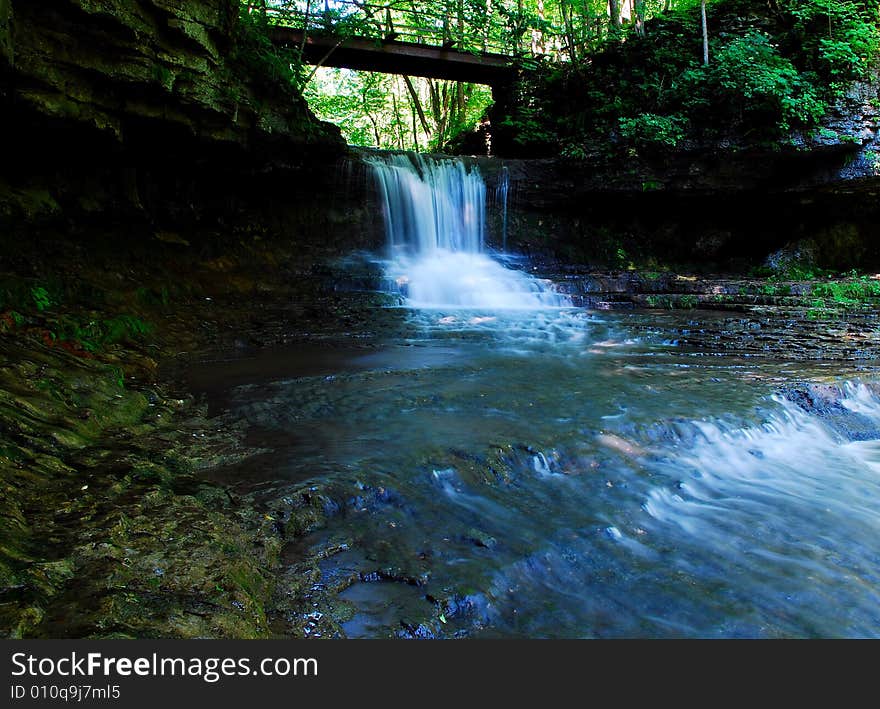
(435,219)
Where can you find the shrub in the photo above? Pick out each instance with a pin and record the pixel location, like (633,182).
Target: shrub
(650,129)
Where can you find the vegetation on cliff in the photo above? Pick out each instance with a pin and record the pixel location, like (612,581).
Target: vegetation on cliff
(773,68)
(596,73)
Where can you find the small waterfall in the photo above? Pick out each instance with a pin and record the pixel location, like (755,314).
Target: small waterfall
(435,221)
(501,190)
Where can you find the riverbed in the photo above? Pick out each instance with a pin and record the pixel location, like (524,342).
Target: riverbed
(569,473)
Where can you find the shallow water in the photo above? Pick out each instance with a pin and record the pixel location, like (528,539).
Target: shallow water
(559,473)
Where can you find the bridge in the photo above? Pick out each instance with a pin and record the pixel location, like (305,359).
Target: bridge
(395,39)
(396,57)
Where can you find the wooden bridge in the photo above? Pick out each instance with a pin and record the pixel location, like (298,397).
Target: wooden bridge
(393,38)
(392,56)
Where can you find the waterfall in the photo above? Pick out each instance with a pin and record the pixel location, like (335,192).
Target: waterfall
(435,221)
(501,190)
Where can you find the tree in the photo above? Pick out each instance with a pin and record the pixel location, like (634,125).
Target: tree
(639,13)
(614,14)
(705,32)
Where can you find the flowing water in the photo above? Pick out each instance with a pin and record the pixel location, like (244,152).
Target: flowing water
(543,471)
(435,222)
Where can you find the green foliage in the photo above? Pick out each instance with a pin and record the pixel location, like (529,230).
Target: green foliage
(530,126)
(752,77)
(587,86)
(651,129)
(849,292)
(266,66)
(41,298)
(795,272)
(774,67)
(94,335)
(837,38)
(56,311)
(378,110)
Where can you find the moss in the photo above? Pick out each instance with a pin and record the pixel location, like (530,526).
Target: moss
(99,511)
(28,203)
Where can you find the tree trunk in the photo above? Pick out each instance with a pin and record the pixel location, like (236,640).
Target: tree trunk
(418,105)
(705,33)
(415,125)
(372,120)
(639,11)
(302,44)
(569,30)
(520,30)
(487,19)
(614,12)
(460,9)
(538,34)
(400,141)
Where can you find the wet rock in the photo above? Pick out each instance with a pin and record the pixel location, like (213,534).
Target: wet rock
(416,631)
(479,538)
(833,404)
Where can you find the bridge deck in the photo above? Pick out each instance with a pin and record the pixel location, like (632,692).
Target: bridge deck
(395,57)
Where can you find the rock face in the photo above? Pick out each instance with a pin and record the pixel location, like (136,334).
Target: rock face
(147,107)
(112,65)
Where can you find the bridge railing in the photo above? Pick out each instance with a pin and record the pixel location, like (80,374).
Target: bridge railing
(470,30)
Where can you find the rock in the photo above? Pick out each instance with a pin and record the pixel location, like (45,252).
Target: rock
(479,538)
(6,54)
(116,65)
(147,109)
(829,403)
(797,257)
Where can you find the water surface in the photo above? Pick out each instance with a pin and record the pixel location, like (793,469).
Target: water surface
(574,474)
(523,468)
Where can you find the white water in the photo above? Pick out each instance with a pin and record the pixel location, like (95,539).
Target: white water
(435,220)
(501,197)
(794,459)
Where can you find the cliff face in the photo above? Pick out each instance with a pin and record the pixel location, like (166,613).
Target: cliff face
(112,64)
(107,102)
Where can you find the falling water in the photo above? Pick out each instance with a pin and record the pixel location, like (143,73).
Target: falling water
(501,190)
(435,220)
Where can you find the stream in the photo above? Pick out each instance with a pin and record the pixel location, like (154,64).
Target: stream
(546,471)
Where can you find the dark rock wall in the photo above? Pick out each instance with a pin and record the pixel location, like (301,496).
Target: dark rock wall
(117,65)
(153,113)
(5,32)
(711,206)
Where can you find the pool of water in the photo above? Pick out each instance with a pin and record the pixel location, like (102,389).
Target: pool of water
(562,473)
